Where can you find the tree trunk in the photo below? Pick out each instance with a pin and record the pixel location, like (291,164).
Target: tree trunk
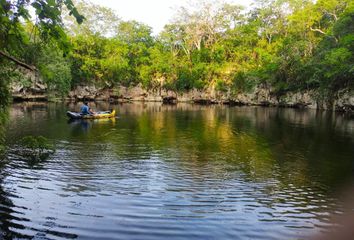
(18,62)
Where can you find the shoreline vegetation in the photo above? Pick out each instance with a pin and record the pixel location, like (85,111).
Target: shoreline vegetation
(292,53)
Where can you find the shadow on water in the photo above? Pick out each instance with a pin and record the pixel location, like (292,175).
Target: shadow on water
(6,205)
(13,220)
(9,216)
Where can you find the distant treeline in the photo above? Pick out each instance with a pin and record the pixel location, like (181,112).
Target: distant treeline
(285,44)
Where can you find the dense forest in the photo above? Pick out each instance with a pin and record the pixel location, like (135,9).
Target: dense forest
(290,45)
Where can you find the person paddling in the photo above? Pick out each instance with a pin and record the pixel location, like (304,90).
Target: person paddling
(85,109)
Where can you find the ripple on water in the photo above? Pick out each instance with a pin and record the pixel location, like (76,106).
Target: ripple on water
(219,182)
(117,199)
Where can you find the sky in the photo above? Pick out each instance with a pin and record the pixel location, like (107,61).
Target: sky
(155,13)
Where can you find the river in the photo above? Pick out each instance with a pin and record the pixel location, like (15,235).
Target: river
(176,171)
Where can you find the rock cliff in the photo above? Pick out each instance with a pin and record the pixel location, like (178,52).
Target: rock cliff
(262,95)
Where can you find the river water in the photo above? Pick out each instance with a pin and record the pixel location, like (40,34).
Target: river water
(182,171)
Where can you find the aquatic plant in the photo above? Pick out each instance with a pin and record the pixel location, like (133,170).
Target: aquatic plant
(35,148)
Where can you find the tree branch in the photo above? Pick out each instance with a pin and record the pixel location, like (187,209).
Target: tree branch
(320,31)
(18,62)
(317,30)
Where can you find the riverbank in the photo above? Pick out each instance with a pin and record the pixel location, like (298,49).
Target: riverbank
(342,100)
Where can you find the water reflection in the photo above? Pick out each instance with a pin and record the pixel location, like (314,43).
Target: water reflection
(179,170)
(84,125)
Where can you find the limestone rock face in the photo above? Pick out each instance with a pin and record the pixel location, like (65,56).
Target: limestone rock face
(262,95)
(344,100)
(30,87)
(84,93)
(305,99)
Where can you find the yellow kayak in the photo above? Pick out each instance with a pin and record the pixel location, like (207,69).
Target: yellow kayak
(97,115)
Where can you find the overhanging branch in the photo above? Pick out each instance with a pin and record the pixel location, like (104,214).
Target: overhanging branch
(18,62)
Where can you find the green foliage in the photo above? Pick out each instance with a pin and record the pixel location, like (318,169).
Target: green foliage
(184,79)
(99,61)
(36,143)
(114,63)
(36,148)
(99,20)
(242,82)
(4,91)
(137,37)
(332,64)
(220,85)
(85,58)
(25,41)
(9,73)
(288,45)
(133,32)
(55,70)
(123,59)
(48,19)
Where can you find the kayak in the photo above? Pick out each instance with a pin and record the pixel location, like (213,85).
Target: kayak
(97,115)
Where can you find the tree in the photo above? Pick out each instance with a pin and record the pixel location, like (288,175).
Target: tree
(48,19)
(54,69)
(204,22)
(99,20)
(13,38)
(138,39)
(86,56)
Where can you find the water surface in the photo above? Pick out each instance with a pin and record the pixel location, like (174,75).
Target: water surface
(183,171)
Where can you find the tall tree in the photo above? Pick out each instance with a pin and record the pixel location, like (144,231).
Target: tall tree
(98,20)
(47,22)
